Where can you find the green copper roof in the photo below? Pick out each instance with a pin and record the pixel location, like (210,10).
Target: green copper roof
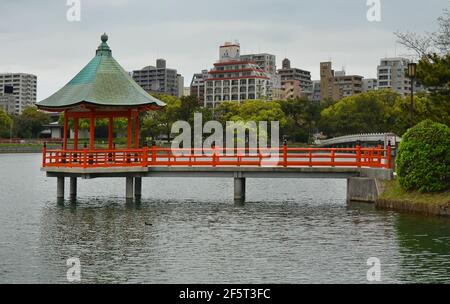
(101,82)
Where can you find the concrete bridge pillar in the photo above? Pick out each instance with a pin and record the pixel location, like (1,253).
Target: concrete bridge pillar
(129,188)
(60,188)
(239,189)
(138,187)
(73,188)
(362,189)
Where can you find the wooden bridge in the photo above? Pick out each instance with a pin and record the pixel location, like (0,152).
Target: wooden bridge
(283,162)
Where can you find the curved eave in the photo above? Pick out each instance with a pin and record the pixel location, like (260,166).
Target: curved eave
(89,105)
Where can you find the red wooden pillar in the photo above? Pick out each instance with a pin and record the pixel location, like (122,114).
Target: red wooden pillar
(75,133)
(129,131)
(66,127)
(91,130)
(110,132)
(136,130)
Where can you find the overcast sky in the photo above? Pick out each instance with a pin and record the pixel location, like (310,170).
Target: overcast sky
(35,36)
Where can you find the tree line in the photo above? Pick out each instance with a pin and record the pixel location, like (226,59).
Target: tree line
(369,112)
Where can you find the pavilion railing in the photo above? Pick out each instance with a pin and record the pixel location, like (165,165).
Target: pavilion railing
(214,157)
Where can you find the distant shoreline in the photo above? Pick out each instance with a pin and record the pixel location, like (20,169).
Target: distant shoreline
(6,148)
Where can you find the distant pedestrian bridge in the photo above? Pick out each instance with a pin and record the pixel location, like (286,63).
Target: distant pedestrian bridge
(364,140)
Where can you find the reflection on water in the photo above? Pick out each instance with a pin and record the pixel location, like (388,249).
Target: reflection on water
(425,248)
(189,230)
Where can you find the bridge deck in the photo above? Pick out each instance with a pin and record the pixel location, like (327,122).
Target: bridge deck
(211,172)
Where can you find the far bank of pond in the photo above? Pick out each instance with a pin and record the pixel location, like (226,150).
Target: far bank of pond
(395,198)
(25,148)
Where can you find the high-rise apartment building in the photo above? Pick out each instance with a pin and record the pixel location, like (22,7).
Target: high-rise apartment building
(336,85)
(348,85)
(235,79)
(159,79)
(315,94)
(198,86)
(180,85)
(290,89)
(392,75)
(295,82)
(328,89)
(369,84)
(267,63)
(23,88)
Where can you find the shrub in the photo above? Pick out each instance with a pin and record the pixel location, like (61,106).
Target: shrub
(5,124)
(423,161)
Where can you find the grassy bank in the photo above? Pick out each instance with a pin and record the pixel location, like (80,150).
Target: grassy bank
(25,148)
(394,197)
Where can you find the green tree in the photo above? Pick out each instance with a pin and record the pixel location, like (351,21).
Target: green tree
(5,124)
(226,110)
(302,117)
(425,107)
(30,123)
(259,110)
(433,72)
(368,112)
(157,122)
(423,161)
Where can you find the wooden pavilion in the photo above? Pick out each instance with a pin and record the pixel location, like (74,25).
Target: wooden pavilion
(101,90)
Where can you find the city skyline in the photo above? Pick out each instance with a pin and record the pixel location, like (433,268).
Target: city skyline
(187,34)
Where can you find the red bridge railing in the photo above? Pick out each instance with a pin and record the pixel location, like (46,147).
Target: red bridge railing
(219,157)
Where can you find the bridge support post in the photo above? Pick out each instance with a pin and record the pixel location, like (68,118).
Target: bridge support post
(239,189)
(73,188)
(138,187)
(362,189)
(129,188)
(60,188)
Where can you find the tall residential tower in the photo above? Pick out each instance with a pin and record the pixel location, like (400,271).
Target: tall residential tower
(23,88)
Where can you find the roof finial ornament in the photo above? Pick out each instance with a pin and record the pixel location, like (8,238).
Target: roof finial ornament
(104,37)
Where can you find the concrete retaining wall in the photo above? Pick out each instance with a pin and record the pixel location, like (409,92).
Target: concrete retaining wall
(422,208)
(362,189)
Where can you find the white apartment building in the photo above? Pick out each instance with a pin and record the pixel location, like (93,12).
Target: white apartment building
(235,79)
(180,85)
(369,84)
(8,103)
(392,75)
(267,63)
(24,89)
(198,86)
